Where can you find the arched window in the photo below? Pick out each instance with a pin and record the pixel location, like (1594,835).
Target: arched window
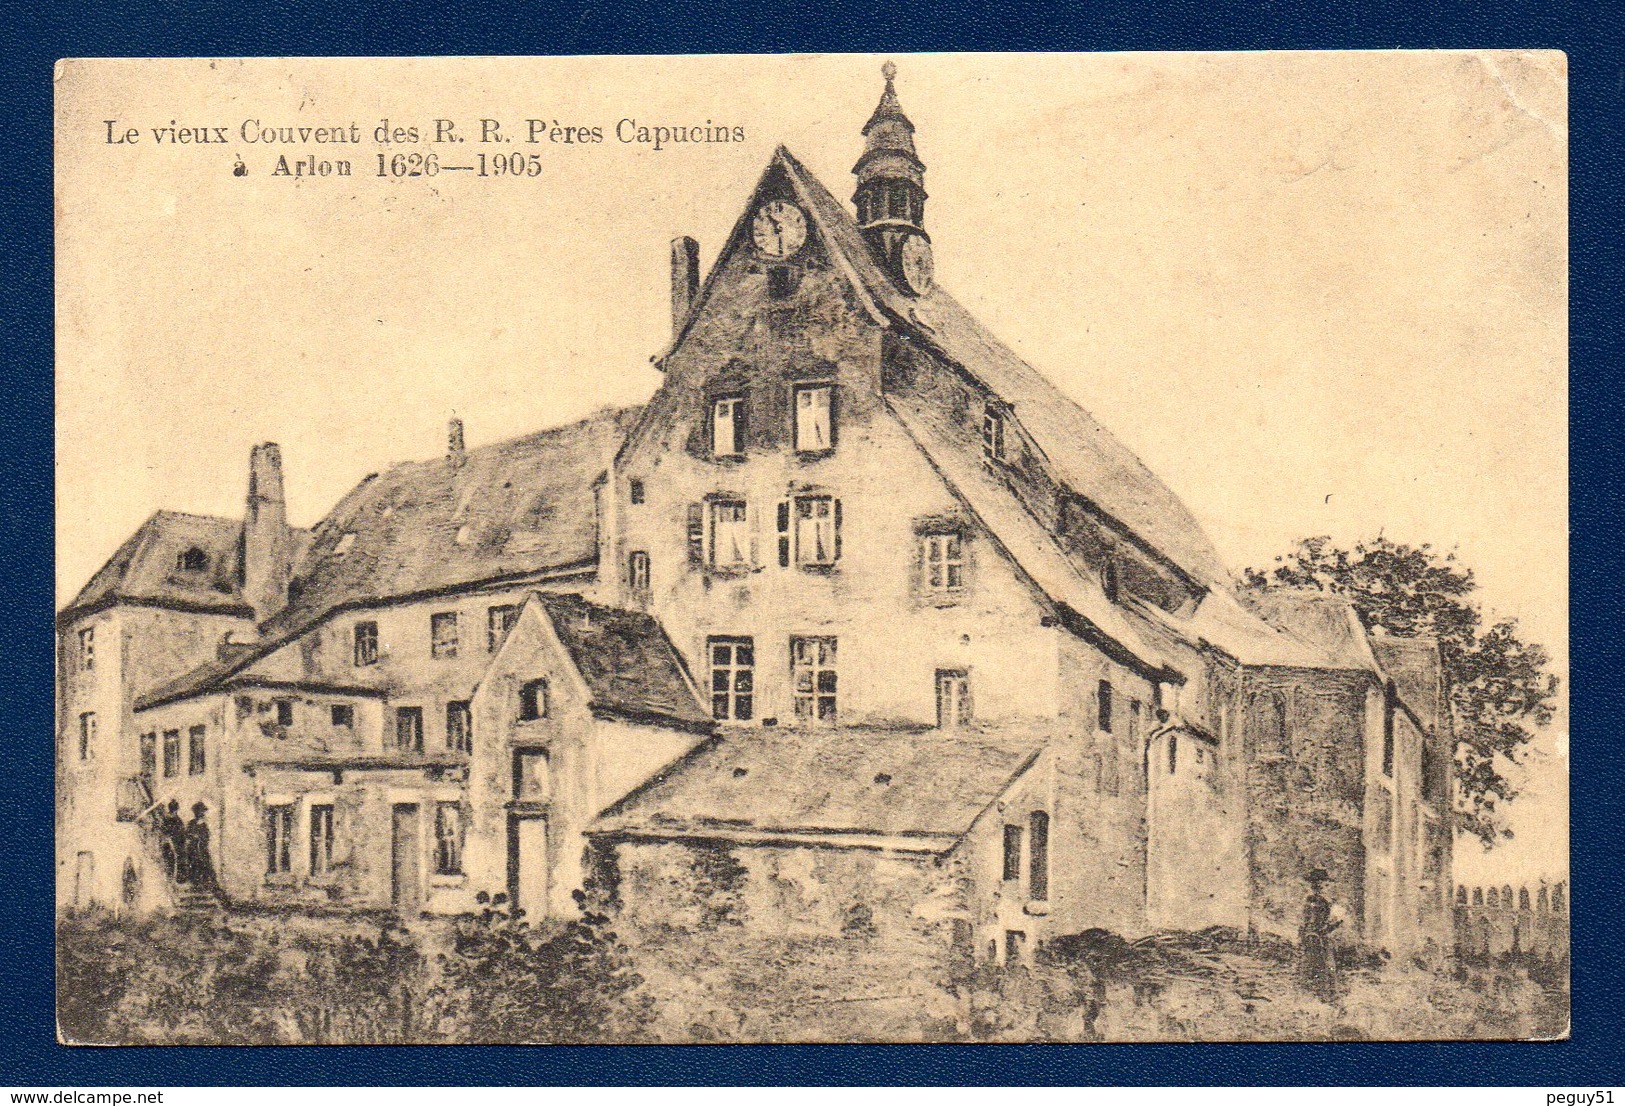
(1478,896)
(1523,898)
(1506,896)
(1560,899)
(1494,898)
(1461,895)
(192,560)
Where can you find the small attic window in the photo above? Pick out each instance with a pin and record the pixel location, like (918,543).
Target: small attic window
(345,542)
(637,491)
(883,778)
(192,560)
(781,282)
(739,773)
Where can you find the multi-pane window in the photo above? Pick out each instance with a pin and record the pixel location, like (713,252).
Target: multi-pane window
(321,839)
(343,714)
(730,533)
(87,735)
(815,424)
(992,433)
(87,649)
(172,753)
(1012,852)
(818,530)
(733,679)
(149,755)
(366,643)
(812,670)
(498,621)
(1038,856)
(635,487)
(953,698)
(1103,708)
(197,754)
(944,558)
(448,839)
(409,729)
(443,634)
(728,427)
(637,571)
(284,712)
(459,727)
(278,839)
(533,700)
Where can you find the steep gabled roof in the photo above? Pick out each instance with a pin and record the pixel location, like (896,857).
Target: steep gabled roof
(502,511)
(146,569)
(628,663)
(1081,452)
(847,786)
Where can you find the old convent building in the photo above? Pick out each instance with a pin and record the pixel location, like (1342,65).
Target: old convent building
(858,607)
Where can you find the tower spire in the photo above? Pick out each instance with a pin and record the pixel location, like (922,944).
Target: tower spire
(890,194)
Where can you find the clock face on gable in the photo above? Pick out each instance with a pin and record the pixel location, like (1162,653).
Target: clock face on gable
(778,228)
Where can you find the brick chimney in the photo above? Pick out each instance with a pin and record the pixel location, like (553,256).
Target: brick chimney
(267,544)
(685,280)
(454,441)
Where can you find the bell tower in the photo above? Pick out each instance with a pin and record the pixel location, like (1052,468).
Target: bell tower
(891,195)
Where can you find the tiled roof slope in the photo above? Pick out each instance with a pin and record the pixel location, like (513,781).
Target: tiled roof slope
(839,783)
(145,568)
(629,664)
(1082,453)
(505,510)
(1413,664)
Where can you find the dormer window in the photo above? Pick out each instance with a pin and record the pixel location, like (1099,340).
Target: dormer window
(192,560)
(728,426)
(992,433)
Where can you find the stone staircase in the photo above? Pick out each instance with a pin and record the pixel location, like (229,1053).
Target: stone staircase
(189,899)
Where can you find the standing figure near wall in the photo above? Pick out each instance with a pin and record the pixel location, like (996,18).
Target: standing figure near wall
(1315,939)
(199,860)
(171,829)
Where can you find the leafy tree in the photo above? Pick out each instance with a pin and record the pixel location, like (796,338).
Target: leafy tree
(1496,683)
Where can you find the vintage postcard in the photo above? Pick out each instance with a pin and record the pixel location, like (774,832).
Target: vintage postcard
(812,548)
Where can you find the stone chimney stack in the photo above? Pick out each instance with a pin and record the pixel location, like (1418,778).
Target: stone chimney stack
(267,544)
(685,280)
(454,440)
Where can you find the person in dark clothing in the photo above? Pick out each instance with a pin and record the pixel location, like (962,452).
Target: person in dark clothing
(1315,939)
(199,860)
(171,830)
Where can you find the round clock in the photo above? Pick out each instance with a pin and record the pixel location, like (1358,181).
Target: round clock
(778,228)
(915,261)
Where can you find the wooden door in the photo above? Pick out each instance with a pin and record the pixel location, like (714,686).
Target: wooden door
(406,858)
(527,865)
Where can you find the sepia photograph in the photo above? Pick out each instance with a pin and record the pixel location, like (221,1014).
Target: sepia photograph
(812,549)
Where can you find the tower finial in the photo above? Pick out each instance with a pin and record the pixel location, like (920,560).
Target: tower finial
(889,71)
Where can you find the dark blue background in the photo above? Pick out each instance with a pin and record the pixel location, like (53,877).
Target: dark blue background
(35,37)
